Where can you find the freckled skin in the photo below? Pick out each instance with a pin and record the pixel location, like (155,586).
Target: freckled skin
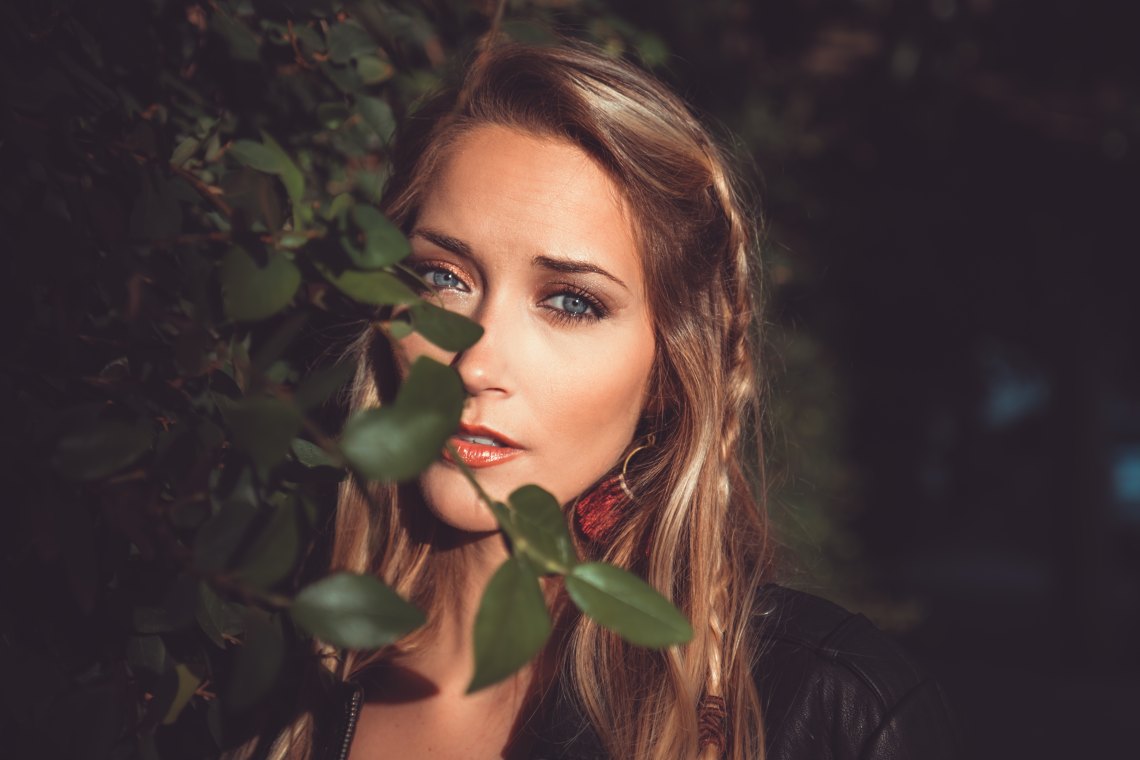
(566,388)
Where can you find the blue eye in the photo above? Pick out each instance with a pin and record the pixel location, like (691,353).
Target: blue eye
(442,279)
(572,304)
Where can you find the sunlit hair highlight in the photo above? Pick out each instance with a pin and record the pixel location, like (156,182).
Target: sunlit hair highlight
(697,530)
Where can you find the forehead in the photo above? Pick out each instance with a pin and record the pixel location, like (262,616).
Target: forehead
(511,193)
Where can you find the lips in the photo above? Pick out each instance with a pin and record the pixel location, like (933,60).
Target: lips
(480,447)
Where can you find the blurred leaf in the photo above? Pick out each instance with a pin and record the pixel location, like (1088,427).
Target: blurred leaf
(651,50)
(384,243)
(291,176)
(376,288)
(627,605)
(185,150)
(210,613)
(337,208)
(396,442)
(264,428)
(175,612)
(255,195)
(274,552)
(187,684)
(250,292)
(538,530)
(239,40)
(311,455)
(354,612)
(378,115)
(93,449)
(256,664)
(332,115)
(348,40)
(373,70)
(221,535)
(399,329)
(512,624)
(275,346)
(268,156)
(258,156)
(146,653)
(157,213)
(320,385)
(446,329)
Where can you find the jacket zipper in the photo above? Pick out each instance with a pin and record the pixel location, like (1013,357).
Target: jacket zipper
(350,726)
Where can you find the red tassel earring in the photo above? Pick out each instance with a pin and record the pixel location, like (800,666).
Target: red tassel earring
(598,511)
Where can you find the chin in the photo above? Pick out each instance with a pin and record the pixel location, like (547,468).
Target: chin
(455,502)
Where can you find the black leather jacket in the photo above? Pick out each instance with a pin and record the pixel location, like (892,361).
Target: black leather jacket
(833,687)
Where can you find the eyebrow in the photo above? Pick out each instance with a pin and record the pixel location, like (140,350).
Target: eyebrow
(446,242)
(563,266)
(568,266)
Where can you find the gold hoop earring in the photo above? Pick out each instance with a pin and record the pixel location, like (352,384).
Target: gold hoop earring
(650,440)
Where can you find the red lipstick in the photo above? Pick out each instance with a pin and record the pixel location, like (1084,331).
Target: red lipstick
(477,447)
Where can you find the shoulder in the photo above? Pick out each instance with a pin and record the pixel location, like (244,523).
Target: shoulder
(835,686)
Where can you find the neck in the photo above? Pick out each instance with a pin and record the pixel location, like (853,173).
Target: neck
(447,656)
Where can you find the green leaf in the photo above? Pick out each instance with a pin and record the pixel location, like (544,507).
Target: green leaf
(146,653)
(310,454)
(398,441)
(274,552)
(291,176)
(348,40)
(210,613)
(97,448)
(264,428)
(257,663)
(185,150)
(272,348)
(320,385)
(250,292)
(157,212)
(378,115)
(268,156)
(187,684)
(627,605)
(332,115)
(512,624)
(538,530)
(175,612)
(384,243)
(257,156)
(446,329)
(337,208)
(398,329)
(373,70)
(376,288)
(221,535)
(354,612)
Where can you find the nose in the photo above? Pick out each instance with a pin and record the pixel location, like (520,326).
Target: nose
(485,367)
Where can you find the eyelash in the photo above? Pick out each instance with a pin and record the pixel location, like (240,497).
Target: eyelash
(597,310)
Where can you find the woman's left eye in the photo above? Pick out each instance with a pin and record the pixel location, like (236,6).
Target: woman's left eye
(574,306)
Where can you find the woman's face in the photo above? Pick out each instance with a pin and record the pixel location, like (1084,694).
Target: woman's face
(529,237)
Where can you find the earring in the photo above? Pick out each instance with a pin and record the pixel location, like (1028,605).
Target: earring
(649,441)
(598,511)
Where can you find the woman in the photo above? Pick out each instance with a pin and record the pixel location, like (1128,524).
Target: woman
(577,210)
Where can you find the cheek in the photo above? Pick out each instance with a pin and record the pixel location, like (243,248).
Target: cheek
(589,404)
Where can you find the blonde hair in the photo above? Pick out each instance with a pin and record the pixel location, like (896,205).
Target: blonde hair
(697,530)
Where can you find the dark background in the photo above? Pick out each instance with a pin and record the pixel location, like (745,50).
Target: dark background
(951,190)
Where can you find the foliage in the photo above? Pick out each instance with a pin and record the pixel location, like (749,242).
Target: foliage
(189,209)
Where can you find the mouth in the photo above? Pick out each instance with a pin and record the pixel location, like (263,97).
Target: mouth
(479,447)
